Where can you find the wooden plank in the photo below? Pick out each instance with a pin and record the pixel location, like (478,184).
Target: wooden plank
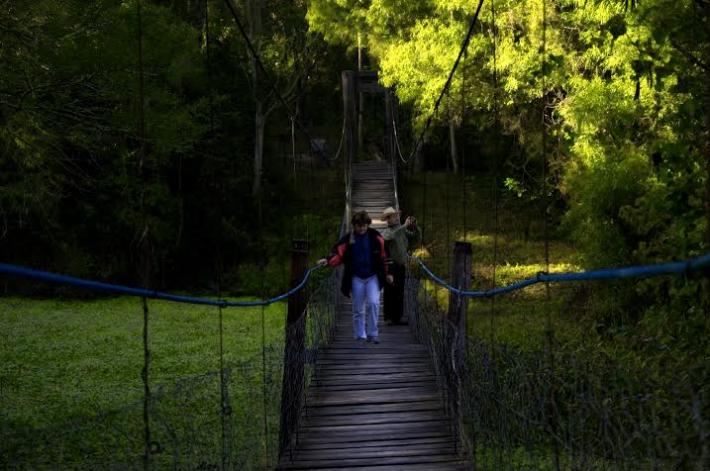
(356,428)
(441,448)
(451,466)
(373,396)
(335,379)
(378,377)
(352,347)
(314,411)
(366,445)
(376,435)
(403,461)
(375,418)
(364,368)
(374,356)
(365,363)
(323,388)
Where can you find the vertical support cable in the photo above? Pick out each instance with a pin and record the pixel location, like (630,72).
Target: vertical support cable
(549,333)
(496,165)
(222,385)
(224,403)
(208,49)
(224,409)
(447,194)
(545,199)
(146,388)
(144,246)
(424,210)
(293,149)
(265,423)
(462,146)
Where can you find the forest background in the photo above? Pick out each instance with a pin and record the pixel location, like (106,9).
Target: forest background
(623,86)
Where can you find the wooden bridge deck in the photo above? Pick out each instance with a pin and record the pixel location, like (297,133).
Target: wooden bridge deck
(373,407)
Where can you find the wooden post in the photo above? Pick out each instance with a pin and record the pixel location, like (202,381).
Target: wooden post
(389,129)
(458,305)
(294,348)
(349,82)
(457,334)
(349,78)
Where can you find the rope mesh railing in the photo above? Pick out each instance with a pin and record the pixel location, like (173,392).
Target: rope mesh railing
(568,405)
(316,333)
(210,420)
(186,420)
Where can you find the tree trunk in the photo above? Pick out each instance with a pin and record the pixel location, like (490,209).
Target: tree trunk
(454,151)
(706,147)
(259,124)
(706,153)
(255,7)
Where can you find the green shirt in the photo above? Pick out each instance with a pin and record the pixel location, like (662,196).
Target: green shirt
(397,239)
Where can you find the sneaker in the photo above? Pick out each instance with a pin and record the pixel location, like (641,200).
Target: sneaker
(373,340)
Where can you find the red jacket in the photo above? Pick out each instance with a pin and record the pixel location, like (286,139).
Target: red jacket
(342,254)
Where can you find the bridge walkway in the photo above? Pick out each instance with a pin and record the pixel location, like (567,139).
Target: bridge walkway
(373,407)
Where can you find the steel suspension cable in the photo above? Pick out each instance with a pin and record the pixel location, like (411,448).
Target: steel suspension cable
(145,263)
(464,46)
(262,274)
(496,164)
(447,194)
(463,146)
(293,150)
(224,406)
(292,115)
(545,190)
(210,65)
(551,409)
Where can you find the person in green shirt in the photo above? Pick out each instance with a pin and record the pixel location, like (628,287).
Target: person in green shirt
(398,239)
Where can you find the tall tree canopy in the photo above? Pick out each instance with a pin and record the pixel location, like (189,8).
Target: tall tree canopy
(70,106)
(624,86)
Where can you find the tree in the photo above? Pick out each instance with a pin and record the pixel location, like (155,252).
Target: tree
(278,66)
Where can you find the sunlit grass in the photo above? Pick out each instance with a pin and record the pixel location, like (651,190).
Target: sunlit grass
(511,251)
(65,358)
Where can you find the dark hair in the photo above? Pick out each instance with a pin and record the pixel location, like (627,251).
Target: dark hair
(361,217)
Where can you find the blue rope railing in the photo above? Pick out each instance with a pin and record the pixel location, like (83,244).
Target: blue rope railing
(30,273)
(640,271)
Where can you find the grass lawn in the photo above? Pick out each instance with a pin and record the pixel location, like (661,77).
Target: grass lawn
(63,363)
(437,200)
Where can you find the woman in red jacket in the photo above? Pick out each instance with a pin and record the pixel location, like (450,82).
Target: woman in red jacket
(362,251)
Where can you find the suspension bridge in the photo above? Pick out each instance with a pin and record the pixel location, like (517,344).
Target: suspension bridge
(373,406)
(429,396)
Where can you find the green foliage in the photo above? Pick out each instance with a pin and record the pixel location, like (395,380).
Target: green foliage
(623,86)
(74,197)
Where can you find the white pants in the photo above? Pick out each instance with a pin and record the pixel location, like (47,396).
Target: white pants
(365,291)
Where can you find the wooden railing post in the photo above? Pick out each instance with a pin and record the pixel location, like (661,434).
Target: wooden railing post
(349,84)
(294,348)
(458,306)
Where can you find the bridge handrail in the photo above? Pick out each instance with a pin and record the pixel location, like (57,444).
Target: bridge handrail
(637,271)
(24,272)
